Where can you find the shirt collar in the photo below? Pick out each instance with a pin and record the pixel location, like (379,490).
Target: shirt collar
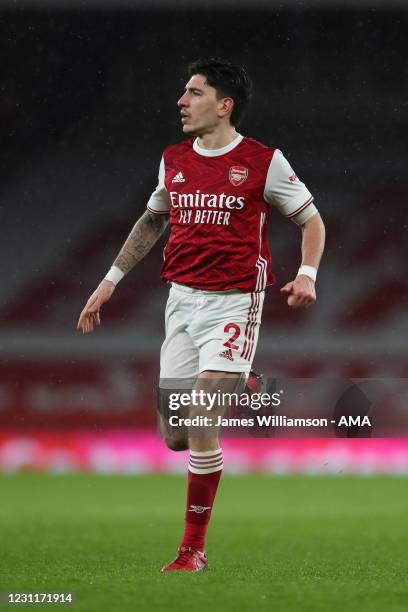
(216,152)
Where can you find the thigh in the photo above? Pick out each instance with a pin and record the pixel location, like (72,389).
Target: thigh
(226,332)
(179,358)
(178,372)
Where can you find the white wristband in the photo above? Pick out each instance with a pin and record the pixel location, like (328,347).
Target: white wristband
(114,275)
(309,271)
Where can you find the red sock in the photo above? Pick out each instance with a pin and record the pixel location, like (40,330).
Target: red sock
(204,473)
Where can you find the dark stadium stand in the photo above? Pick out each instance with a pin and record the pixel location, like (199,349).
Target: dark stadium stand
(85,117)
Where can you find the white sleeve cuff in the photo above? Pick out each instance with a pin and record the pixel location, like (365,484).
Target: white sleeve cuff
(305,214)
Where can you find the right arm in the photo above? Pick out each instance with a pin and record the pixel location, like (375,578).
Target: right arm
(141,239)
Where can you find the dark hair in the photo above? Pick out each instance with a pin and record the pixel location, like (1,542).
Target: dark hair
(228,80)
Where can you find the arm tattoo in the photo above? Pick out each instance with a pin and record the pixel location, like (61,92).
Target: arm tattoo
(143,236)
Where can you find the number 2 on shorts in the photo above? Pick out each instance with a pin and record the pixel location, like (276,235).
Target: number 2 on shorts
(230,342)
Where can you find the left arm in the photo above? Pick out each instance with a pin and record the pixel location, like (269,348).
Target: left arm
(301,291)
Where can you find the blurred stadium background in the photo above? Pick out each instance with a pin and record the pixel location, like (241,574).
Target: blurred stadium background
(88,102)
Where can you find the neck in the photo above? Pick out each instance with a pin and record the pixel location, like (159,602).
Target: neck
(221,137)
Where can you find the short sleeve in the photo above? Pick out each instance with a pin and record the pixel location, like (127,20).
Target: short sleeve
(285,191)
(159,201)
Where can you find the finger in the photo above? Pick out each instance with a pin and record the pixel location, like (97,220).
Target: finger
(288,288)
(93,300)
(310,302)
(80,324)
(301,301)
(94,306)
(97,318)
(84,312)
(84,322)
(306,300)
(82,319)
(91,307)
(292,301)
(296,301)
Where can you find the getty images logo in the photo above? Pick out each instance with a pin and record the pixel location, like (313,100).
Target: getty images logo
(206,200)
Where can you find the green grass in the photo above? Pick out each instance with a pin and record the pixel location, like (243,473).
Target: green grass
(275,543)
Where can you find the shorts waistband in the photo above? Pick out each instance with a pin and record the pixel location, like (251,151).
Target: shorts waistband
(192,291)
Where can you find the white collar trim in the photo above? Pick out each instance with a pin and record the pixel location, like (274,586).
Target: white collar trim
(216,152)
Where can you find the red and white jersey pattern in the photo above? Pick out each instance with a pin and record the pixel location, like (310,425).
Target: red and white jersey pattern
(251,326)
(219,203)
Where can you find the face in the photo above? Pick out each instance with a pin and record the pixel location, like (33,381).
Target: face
(201,112)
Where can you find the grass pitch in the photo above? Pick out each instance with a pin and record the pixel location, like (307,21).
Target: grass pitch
(275,543)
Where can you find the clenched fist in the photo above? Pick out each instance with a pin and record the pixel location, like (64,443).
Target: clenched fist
(301,292)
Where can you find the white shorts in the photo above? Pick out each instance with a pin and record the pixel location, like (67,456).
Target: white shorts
(209,330)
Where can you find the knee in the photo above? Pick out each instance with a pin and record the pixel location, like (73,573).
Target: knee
(176,444)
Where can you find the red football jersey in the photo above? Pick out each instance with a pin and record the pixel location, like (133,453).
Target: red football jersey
(219,204)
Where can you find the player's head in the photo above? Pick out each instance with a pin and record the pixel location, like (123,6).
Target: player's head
(217,92)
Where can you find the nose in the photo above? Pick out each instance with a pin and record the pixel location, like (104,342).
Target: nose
(183,101)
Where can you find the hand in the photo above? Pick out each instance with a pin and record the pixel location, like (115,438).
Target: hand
(90,314)
(301,292)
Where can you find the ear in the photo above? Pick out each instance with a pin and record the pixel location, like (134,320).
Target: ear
(225,107)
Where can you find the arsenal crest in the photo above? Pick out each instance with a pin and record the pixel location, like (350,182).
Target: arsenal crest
(238,175)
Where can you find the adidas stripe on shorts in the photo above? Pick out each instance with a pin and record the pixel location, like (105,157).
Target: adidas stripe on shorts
(209,330)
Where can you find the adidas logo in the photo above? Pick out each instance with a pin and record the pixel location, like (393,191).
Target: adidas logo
(179,178)
(227,354)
